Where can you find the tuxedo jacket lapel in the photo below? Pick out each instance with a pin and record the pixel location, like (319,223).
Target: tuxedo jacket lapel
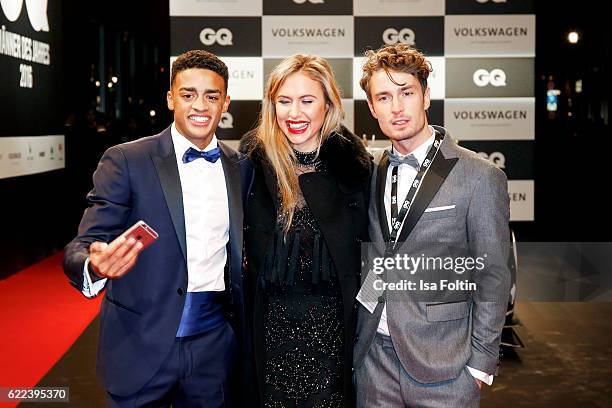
(231,170)
(437,173)
(381,182)
(167,171)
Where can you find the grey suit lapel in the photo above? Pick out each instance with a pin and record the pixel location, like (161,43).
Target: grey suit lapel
(381,182)
(167,171)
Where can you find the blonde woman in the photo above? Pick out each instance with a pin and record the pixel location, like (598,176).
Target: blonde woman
(306,217)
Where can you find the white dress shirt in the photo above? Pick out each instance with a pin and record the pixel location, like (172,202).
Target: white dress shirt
(406,175)
(206,217)
(206,211)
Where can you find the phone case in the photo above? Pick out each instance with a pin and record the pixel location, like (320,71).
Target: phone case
(141,232)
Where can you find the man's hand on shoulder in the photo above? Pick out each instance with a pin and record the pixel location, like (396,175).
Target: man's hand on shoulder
(115,259)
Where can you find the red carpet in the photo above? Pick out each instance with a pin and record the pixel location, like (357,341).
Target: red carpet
(41,315)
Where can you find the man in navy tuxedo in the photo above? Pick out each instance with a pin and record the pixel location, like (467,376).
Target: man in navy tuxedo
(172,318)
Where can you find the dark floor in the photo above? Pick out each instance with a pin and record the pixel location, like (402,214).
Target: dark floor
(566,362)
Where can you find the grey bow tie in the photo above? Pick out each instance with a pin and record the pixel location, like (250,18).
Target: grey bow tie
(395,160)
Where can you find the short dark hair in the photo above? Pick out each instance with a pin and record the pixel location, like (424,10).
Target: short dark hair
(199,59)
(396,57)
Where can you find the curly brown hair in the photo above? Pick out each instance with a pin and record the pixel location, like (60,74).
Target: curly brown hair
(395,57)
(199,59)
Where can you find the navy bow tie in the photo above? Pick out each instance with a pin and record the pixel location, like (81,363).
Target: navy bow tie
(395,160)
(192,154)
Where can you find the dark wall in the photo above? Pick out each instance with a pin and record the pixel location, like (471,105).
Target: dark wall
(41,212)
(101,39)
(34,219)
(572,167)
(32,215)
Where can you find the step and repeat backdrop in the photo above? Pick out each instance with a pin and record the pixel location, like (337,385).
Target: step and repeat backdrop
(30,85)
(482,53)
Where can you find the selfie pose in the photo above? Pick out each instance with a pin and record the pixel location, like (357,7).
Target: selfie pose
(172,313)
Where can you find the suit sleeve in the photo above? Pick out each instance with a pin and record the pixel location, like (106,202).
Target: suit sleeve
(108,209)
(488,235)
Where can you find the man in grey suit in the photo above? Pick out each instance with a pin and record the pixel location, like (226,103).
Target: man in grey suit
(411,352)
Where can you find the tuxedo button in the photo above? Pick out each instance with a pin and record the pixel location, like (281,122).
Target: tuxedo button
(353,204)
(246,228)
(356,339)
(381,299)
(251,194)
(180,291)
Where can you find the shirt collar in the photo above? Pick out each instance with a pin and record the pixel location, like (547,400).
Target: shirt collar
(181,143)
(420,152)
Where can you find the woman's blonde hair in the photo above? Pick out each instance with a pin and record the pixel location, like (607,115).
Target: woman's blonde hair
(270,135)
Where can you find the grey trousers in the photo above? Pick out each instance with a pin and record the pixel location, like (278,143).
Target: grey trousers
(381,381)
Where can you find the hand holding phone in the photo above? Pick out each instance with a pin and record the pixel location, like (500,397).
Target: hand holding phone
(141,232)
(117,258)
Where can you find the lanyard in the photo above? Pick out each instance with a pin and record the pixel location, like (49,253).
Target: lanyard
(397,222)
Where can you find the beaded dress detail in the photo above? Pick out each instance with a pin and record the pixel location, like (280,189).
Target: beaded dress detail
(303,319)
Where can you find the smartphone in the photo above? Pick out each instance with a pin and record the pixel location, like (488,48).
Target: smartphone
(141,232)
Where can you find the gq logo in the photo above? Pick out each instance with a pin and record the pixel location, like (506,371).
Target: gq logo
(37,12)
(497,158)
(496,77)
(392,36)
(309,1)
(223,36)
(227,121)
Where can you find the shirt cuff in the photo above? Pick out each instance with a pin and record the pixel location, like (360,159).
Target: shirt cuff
(90,289)
(480,375)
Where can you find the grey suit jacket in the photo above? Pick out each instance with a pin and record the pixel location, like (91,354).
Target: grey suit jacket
(435,340)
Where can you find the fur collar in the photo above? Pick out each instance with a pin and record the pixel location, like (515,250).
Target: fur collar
(343,153)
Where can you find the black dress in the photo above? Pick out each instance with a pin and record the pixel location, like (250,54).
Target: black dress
(303,317)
